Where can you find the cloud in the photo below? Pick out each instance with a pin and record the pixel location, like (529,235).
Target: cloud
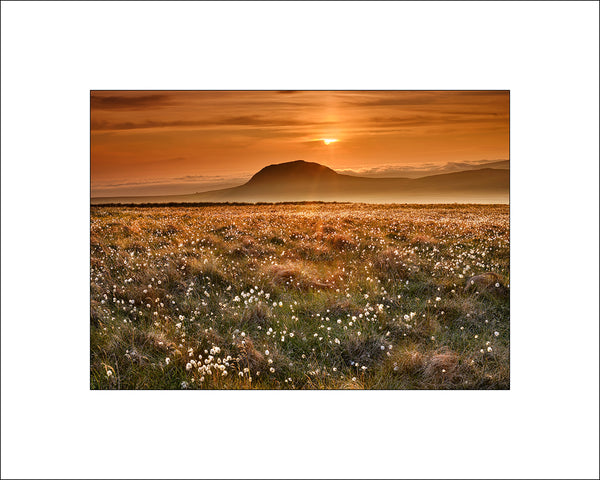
(195,179)
(417,98)
(122,102)
(423,169)
(245,120)
(179,185)
(383,102)
(431,120)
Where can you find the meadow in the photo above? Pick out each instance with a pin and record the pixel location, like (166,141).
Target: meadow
(299,296)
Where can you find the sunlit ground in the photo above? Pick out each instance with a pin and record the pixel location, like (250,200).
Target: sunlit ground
(299,297)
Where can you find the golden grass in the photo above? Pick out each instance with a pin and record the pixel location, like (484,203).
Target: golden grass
(295,275)
(340,296)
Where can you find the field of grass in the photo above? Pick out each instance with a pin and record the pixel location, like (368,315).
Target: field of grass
(299,296)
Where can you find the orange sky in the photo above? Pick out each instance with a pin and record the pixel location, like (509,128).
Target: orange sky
(169,142)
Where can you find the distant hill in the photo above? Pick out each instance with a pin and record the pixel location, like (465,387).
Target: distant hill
(294,172)
(503,164)
(306,181)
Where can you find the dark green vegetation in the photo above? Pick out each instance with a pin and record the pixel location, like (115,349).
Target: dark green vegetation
(299,296)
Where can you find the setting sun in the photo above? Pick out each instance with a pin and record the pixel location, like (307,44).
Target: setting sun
(327,141)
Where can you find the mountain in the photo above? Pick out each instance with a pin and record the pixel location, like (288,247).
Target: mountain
(307,181)
(298,171)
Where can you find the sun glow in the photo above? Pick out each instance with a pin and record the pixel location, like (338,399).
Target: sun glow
(327,141)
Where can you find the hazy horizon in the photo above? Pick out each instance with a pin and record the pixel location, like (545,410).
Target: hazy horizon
(191,184)
(152,143)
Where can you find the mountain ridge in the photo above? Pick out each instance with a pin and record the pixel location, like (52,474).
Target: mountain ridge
(309,181)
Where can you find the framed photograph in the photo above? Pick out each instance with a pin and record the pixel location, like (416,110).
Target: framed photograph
(299,239)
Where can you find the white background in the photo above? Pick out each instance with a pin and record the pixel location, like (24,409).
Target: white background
(546,426)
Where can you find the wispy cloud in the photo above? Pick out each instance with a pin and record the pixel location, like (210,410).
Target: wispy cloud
(421,99)
(122,102)
(179,185)
(246,120)
(423,169)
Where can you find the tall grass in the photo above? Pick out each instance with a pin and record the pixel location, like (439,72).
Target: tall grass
(300,296)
